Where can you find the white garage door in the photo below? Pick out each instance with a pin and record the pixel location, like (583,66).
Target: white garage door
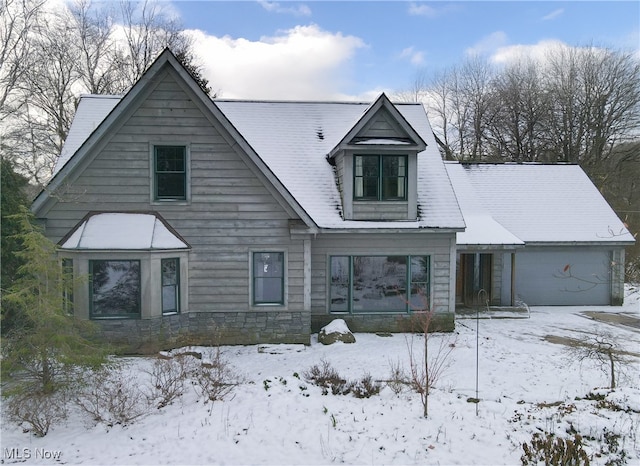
(563,276)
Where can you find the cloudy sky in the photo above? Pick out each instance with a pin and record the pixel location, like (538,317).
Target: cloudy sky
(354,50)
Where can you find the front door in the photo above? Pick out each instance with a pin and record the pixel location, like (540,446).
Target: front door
(474,277)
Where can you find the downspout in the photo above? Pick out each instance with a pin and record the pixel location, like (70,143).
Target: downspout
(513,279)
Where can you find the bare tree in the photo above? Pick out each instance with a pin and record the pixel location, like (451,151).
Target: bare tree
(17,18)
(148,30)
(596,102)
(516,131)
(50,57)
(603,348)
(98,64)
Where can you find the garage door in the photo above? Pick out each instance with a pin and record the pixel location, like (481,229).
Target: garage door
(563,276)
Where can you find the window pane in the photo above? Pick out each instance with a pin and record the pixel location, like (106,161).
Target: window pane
(268,277)
(115,288)
(379,283)
(339,290)
(169,299)
(393,177)
(67,285)
(170,158)
(170,172)
(367,176)
(170,185)
(170,285)
(420,283)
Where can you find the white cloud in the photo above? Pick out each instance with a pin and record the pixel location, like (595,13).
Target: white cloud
(554,14)
(415,57)
(537,52)
(422,10)
(488,44)
(305,62)
(297,10)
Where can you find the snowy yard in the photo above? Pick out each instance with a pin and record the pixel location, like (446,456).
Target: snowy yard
(527,384)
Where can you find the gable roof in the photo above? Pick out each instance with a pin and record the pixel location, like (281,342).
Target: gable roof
(87,137)
(289,143)
(399,131)
(123,231)
(545,203)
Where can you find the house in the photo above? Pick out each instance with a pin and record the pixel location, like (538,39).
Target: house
(228,221)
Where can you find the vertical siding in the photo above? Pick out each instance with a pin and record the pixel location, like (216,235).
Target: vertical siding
(230,212)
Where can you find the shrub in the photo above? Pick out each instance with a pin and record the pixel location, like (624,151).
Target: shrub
(365,387)
(215,378)
(397,379)
(168,377)
(549,449)
(38,410)
(113,398)
(327,378)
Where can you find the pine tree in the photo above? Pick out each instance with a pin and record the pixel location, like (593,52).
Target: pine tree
(44,351)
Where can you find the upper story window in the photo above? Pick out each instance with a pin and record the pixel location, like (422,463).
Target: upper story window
(170,172)
(380,177)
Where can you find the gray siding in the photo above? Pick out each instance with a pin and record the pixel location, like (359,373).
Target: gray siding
(382,125)
(231,212)
(380,210)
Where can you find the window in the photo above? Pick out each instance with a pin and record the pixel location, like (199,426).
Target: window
(380,177)
(114,288)
(170,172)
(268,277)
(379,283)
(67,285)
(170,285)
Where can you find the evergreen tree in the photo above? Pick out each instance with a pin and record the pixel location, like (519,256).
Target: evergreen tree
(12,198)
(43,352)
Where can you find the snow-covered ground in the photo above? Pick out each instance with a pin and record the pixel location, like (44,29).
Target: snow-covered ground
(526,384)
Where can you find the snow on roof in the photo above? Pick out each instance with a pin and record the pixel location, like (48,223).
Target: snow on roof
(482,229)
(545,203)
(92,109)
(127,231)
(294,138)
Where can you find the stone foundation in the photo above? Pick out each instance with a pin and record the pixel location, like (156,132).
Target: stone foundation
(393,323)
(145,336)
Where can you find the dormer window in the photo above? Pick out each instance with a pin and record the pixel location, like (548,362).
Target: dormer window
(380,178)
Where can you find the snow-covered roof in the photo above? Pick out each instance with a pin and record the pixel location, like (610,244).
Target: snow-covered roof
(543,203)
(126,231)
(92,110)
(294,139)
(482,229)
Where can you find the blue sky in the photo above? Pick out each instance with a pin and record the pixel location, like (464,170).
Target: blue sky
(354,50)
